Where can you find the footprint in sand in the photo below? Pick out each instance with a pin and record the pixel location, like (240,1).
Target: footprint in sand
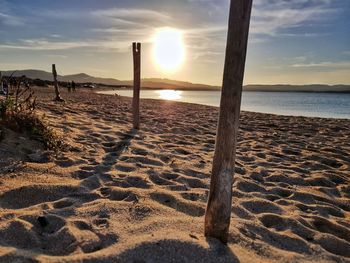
(248,187)
(118,194)
(27,196)
(158,180)
(127,168)
(63,203)
(202,197)
(325,226)
(181,206)
(192,182)
(83,174)
(130,181)
(139,151)
(261,206)
(333,245)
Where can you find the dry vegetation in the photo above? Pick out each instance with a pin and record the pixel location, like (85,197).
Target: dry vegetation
(17,112)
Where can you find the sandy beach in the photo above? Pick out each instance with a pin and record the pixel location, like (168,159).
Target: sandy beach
(118,195)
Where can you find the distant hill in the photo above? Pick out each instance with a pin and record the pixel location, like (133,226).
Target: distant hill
(79,78)
(30,73)
(84,78)
(158,83)
(173,84)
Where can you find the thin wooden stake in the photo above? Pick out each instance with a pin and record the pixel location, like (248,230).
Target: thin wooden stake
(136,50)
(218,213)
(57,89)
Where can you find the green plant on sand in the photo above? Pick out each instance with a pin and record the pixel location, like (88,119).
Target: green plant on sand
(17,112)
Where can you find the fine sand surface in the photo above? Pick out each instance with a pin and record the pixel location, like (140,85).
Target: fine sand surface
(117,195)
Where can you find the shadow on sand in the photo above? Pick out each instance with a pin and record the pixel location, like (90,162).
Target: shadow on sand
(170,250)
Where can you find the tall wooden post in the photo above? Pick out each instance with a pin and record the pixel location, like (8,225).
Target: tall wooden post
(136,50)
(218,213)
(57,90)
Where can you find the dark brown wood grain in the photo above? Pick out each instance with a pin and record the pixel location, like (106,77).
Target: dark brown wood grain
(218,213)
(136,49)
(57,89)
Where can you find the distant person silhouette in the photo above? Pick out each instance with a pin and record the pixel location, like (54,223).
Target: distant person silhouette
(69,87)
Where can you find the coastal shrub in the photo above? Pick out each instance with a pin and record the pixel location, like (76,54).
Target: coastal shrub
(39,83)
(17,112)
(5,105)
(19,100)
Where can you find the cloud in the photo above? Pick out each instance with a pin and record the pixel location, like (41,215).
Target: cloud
(205,44)
(106,29)
(324,64)
(271,17)
(56,56)
(208,29)
(43,44)
(6,16)
(308,35)
(10,20)
(131,14)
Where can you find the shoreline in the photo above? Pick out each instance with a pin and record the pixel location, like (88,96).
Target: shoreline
(106,88)
(210,105)
(126,196)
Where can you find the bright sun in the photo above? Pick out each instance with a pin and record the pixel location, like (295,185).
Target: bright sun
(168,49)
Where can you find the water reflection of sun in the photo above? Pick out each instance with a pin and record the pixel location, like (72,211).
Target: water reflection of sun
(169,94)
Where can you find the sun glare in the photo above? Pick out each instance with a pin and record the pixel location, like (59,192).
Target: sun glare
(168,49)
(169,94)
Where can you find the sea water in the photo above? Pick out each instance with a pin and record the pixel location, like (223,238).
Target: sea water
(329,105)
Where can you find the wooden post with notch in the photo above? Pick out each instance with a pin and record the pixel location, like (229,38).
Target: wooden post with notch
(57,89)
(136,50)
(218,212)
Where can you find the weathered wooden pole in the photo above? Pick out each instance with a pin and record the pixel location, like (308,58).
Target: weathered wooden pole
(57,89)
(136,50)
(218,213)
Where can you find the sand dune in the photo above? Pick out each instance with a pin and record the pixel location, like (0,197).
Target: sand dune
(121,195)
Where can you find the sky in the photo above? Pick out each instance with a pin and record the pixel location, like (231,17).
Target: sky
(290,41)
